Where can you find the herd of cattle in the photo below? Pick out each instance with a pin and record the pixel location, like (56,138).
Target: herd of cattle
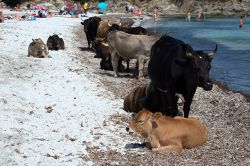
(173,66)
(174,69)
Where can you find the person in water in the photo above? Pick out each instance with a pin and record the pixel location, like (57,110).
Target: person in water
(241,22)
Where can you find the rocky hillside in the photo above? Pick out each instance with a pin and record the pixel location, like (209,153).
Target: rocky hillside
(176,7)
(211,7)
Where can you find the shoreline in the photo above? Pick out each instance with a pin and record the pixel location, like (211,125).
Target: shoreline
(223,86)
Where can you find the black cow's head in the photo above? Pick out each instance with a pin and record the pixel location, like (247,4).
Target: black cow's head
(115,27)
(85,23)
(201,64)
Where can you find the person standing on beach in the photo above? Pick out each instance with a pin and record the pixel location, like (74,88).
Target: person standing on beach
(85,8)
(188,17)
(156,13)
(126,8)
(140,12)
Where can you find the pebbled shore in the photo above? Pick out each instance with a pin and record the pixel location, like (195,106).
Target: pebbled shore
(226,115)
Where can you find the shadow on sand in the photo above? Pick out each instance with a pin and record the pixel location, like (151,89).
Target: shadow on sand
(85,49)
(135,145)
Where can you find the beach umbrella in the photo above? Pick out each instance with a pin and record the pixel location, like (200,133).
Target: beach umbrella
(45,4)
(39,7)
(71,7)
(102,5)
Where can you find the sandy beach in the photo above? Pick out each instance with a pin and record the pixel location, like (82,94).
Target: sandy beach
(64,110)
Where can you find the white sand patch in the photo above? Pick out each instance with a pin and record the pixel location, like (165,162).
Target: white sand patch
(80,108)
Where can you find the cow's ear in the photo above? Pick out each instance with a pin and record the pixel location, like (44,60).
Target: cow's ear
(210,59)
(181,61)
(156,115)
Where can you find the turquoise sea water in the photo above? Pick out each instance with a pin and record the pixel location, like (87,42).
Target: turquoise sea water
(231,64)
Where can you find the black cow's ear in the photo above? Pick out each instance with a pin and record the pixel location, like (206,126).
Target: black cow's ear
(181,61)
(210,59)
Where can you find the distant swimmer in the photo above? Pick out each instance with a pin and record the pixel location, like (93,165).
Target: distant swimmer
(242,21)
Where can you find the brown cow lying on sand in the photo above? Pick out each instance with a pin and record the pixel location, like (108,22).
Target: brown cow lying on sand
(38,49)
(168,134)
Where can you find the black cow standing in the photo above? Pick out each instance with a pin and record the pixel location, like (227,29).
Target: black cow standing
(90,28)
(174,67)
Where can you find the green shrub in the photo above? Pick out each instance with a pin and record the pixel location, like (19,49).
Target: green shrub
(13,3)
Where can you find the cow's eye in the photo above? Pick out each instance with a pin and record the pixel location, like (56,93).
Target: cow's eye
(140,122)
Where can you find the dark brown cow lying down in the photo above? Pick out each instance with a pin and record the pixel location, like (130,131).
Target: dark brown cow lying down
(131,101)
(54,42)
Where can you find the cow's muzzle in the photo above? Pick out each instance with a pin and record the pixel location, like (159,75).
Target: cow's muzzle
(129,131)
(207,85)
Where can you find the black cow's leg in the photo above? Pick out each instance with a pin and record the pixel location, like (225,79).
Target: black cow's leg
(188,100)
(89,43)
(148,101)
(172,103)
(88,39)
(127,64)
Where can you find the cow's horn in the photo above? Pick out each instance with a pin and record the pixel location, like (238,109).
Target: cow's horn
(213,52)
(82,18)
(109,24)
(188,53)
(105,44)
